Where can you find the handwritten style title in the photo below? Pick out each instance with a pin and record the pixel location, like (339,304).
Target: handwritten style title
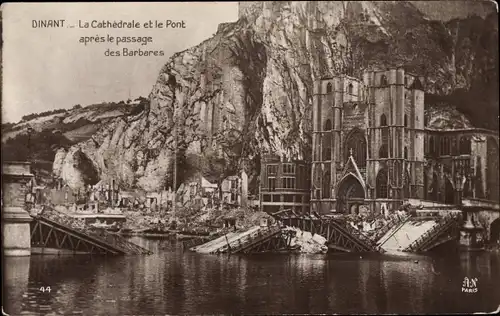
(113,38)
(107,24)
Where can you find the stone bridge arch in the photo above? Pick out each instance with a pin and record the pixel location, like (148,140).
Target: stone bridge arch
(495,231)
(490,220)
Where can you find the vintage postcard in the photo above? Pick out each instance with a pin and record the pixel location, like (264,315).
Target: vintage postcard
(261,157)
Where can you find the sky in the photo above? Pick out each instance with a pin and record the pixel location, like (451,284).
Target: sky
(48,68)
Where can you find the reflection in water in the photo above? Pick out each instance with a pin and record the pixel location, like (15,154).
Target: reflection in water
(175,282)
(15,282)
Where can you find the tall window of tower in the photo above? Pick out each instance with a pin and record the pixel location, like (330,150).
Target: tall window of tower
(407,185)
(349,88)
(382,184)
(356,143)
(465,145)
(327,141)
(328,125)
(383,80)
(384,148)
(406,153)
(383,152)
(406,121)
(383,120)
(329,87)
(326,185)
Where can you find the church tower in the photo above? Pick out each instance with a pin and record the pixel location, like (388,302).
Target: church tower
(395,137)
(329,155)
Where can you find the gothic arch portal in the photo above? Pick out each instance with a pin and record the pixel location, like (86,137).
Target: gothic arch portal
(350,194)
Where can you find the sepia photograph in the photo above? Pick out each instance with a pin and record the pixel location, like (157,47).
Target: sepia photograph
(253,157)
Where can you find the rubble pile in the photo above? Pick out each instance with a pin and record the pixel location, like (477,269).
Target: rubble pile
(305,242)
(141,219)
(61,218)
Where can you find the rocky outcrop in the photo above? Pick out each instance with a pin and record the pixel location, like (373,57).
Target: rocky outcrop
(254,78)
(441,117)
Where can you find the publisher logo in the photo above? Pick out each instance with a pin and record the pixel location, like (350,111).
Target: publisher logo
(469,285)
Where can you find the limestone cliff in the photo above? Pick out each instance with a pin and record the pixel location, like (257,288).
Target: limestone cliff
(254,78)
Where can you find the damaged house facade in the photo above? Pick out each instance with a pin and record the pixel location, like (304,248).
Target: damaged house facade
(373,148)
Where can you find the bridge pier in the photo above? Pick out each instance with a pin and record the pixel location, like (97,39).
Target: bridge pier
(16,232)
(471,233)
(16,184)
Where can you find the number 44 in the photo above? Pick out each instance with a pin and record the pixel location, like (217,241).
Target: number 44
(45,289)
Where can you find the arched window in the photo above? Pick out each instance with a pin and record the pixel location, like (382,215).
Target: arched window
(465,145)
(444,148)
(406,121)
(383,120)
(431,146)
(433,193)
(406,153)
(407,185)
(381,186)
(327,141)
(417,85)
(426,120)
(329,87)
(383,80)
(349,88)
(328,125)
(327,146)
(406,81)
(326,185)
(357,143)
(383,151)
(454,147)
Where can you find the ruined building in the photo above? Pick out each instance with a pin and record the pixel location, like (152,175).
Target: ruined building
(373,147)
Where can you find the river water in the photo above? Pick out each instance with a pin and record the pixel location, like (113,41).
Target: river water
(175,282)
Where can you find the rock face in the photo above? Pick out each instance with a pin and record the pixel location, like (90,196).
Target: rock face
(254,78)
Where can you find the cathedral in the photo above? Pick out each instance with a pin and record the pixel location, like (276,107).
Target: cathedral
(372,149)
